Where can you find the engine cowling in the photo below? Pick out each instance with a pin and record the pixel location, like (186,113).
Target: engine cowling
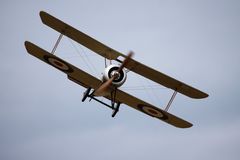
(112,70)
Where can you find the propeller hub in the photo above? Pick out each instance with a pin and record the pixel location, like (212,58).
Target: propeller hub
(115,74)
(112,72)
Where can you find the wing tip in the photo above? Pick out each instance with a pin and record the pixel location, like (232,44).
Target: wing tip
(42,13)
(189,125)
(206,95)
(183,125)
(30,47)
(27,45)
(202,95)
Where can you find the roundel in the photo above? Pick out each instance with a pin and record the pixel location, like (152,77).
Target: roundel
(152,111)
(58,63)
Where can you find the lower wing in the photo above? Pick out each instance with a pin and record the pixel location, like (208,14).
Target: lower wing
(86,80)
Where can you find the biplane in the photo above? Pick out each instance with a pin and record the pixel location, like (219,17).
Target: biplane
(114,75)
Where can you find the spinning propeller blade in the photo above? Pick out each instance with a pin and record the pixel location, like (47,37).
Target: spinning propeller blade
(125,62)
(101,91)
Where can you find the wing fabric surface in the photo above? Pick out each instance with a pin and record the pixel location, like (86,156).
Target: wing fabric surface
(74,73)
(151,110)
(79,36)
(86,80)
(164,80)
(110,53)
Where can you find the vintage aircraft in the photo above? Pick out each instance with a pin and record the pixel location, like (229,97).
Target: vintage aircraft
(113,76)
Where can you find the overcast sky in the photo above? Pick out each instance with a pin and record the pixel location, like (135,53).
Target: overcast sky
(197,42)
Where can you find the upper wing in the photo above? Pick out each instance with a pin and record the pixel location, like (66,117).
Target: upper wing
(110,53)
(79,36)
(87,80)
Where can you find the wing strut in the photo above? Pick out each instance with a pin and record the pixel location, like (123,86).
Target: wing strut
(170,101)
(57,43)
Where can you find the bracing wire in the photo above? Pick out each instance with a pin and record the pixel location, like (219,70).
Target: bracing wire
(152,87)
(145,87)
(148,92)
(154,92)
(85,58)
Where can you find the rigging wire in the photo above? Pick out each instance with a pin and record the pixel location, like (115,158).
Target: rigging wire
(153,87)
(155,93)
(148,93)
(148,88)
(75,56)
(85,57)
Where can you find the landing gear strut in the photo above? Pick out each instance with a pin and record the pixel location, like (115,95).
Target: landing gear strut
(86,94)
(116,109)
(114,105)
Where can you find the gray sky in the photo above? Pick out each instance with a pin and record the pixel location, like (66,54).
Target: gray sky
(41,113)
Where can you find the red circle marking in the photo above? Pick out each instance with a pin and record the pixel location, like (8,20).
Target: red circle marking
(58,63)
(152,111)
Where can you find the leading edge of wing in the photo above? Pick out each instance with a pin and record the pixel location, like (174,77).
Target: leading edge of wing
(151,110)
(74,73)
(79,36)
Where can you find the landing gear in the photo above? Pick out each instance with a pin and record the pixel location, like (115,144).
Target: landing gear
(115,109)
(114,105)
(86,94)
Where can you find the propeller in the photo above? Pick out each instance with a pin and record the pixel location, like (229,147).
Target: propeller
(101,91)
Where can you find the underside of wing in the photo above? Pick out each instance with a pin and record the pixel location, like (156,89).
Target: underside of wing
(79,36)
(151,110)
(74,73)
